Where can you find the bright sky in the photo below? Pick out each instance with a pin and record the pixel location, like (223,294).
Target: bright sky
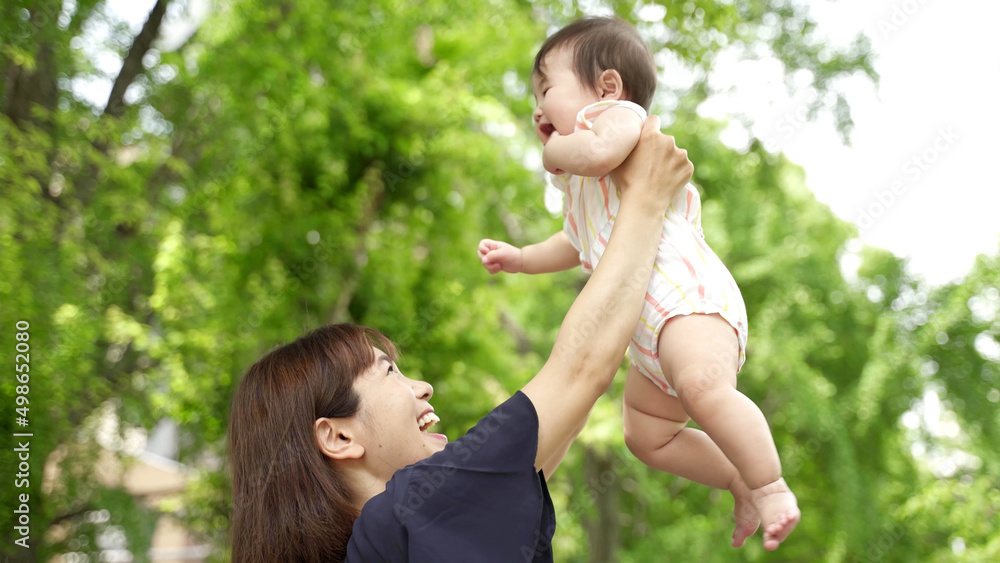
(918,176)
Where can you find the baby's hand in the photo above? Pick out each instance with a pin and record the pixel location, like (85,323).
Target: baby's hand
(496,256)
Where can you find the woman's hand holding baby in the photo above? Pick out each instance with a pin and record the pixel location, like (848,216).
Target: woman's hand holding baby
(657,169)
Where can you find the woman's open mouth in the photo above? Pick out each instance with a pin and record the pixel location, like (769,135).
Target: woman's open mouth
(427,420)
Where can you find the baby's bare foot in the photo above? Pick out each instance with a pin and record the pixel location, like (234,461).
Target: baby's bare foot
(779,512)
(744,514)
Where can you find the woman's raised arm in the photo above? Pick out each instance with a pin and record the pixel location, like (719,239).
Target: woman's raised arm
(597,328)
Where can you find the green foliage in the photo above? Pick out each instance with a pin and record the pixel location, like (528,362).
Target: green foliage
(342,164)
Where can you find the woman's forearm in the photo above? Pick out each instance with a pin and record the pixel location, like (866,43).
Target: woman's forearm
(598,326)
(592,338)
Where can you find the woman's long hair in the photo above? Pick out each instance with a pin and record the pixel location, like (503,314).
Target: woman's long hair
(290,503)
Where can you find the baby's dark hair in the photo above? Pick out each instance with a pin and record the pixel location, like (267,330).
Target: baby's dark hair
(603,43)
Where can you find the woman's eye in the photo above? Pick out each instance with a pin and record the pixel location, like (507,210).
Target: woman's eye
(391,370)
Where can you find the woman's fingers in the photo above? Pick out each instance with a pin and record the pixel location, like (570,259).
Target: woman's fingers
(656,166)
(651,126)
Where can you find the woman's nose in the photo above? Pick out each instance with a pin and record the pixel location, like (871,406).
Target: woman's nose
(423,390)
(537,115)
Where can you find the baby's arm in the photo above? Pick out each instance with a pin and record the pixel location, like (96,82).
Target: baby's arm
(554,254)
(596,152)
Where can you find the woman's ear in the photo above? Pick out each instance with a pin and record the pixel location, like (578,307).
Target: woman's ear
(337,438)
(610,85)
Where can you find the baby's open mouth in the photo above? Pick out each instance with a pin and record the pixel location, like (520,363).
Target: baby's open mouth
(547,129)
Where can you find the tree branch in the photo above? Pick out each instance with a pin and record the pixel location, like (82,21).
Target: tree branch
(132,65)
(70,515)
(524,344)
(373,179)
(28,86)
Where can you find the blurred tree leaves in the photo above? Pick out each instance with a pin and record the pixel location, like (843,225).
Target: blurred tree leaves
(296,163)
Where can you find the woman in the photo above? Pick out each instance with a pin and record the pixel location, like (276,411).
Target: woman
(328,445)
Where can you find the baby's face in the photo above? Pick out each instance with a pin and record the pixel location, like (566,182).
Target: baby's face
(559,95)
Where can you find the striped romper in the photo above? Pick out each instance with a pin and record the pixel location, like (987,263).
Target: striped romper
(687,276)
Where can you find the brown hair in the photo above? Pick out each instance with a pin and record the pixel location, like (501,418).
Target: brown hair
(290,503)
(602,43)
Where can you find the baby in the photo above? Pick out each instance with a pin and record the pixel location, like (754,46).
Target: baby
(593,83)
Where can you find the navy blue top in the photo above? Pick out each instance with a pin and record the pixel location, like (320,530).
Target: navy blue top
(478,500)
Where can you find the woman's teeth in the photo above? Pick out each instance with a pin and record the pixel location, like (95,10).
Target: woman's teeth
(427,421)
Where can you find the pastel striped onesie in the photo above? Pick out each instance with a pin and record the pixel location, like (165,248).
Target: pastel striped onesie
(687,276)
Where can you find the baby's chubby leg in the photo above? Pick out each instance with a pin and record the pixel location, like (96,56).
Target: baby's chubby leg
(699,355)
(655,433)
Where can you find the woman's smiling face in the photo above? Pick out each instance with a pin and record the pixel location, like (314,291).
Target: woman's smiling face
(396,414)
